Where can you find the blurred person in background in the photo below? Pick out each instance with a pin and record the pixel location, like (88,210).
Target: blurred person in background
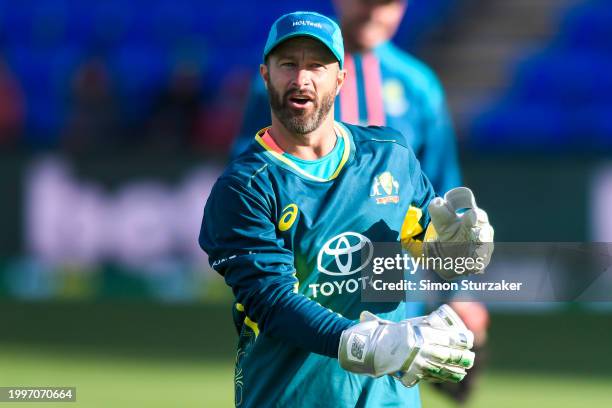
(386,86)
(219,119)
(11,107)
(175,112)
(94,121)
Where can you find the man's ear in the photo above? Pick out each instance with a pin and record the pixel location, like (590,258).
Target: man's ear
(340,79)
(264,73)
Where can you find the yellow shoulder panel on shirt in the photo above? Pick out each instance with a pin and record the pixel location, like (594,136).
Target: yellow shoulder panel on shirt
(411,227)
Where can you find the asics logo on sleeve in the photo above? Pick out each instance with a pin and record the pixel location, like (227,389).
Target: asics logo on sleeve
(288,217)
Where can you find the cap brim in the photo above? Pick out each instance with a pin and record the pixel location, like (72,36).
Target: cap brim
(303,34)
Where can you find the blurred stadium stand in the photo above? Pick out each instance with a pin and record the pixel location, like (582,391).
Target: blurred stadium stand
(547,103)
(560,97)
(45,42)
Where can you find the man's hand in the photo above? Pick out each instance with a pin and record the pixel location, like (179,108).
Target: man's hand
(460,229)
(476,318)
(434,347)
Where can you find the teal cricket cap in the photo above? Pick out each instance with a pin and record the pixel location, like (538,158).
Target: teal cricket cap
(309,24)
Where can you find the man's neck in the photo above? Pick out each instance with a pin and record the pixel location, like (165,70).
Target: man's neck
(309,146)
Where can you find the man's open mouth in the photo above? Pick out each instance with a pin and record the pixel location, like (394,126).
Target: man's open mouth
(300,101)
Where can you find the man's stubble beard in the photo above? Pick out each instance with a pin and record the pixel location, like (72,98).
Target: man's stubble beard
(304,123)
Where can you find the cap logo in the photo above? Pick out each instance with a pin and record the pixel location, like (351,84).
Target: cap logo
(307,23)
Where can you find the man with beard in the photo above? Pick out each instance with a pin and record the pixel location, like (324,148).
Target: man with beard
(387,86)
(284,217)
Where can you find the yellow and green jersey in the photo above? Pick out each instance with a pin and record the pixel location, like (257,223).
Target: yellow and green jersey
(291,240)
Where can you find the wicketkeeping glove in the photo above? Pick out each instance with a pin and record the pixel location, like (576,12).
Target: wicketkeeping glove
(434,347)
(460,229)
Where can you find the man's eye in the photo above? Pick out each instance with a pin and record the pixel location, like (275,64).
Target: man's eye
(318,66)
(287,64)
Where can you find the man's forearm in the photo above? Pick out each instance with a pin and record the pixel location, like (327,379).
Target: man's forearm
(291,317)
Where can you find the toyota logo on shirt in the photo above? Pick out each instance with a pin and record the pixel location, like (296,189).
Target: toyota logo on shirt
(345,254)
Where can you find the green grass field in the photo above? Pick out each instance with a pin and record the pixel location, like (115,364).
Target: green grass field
(118,382)
(181,356)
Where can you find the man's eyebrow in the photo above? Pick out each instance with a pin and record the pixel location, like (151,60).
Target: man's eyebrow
(285,54)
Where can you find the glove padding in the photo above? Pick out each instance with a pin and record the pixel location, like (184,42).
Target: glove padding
(466,234)
(434,347)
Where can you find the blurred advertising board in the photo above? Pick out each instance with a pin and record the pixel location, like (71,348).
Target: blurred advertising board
(110,229)
(126,226)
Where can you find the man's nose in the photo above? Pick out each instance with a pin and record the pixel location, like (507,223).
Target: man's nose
(302,78)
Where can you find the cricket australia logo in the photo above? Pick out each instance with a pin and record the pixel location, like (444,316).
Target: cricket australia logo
(385,189)
(345,254)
